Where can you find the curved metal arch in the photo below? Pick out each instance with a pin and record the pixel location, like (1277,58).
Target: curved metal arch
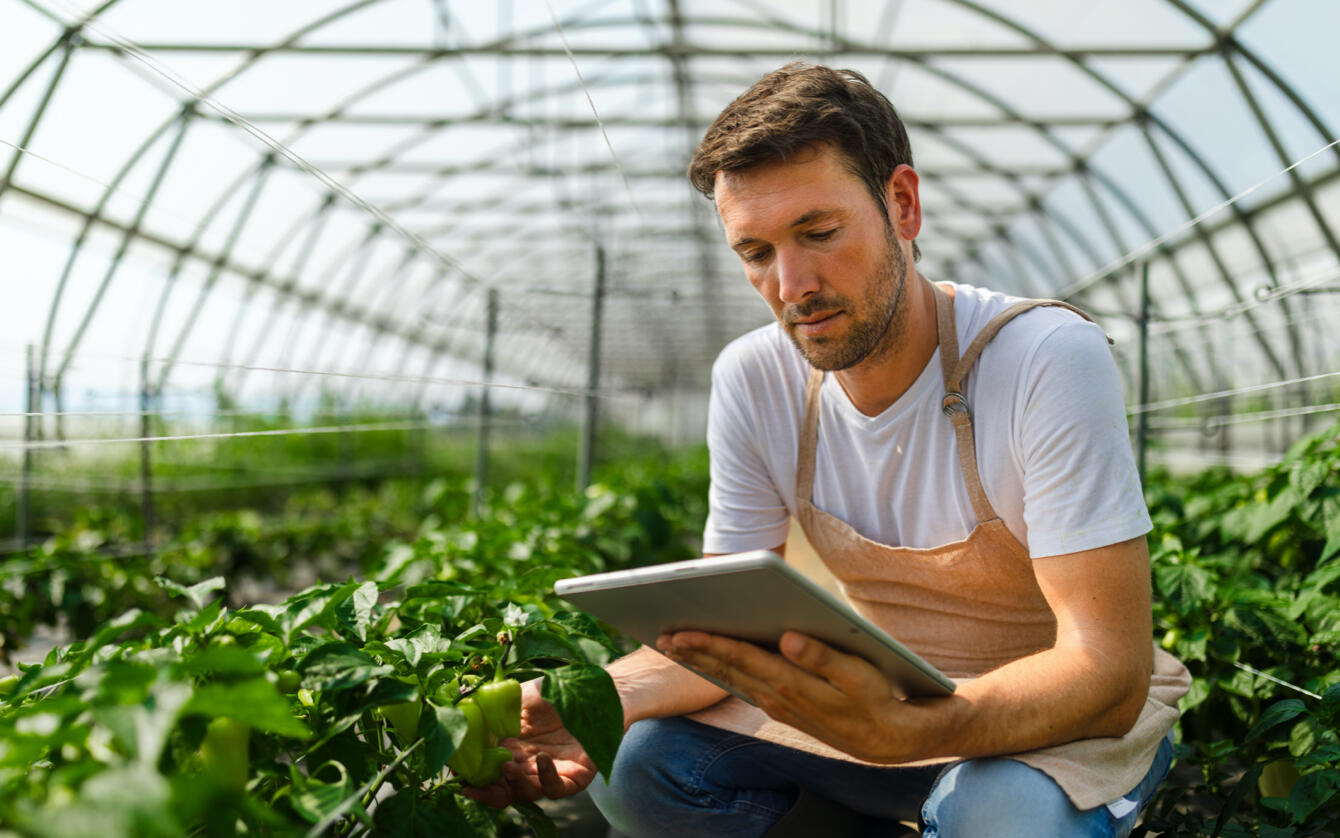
(1166,129)
(289,239)
(316,226)
(1082,178)
(77,248)
(1243,218)
(1079,164)
(1083,170)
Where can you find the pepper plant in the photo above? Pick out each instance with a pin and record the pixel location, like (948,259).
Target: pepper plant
(335,712)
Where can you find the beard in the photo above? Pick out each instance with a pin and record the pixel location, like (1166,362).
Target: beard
(877,321)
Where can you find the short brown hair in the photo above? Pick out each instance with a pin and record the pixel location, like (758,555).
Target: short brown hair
(802,106)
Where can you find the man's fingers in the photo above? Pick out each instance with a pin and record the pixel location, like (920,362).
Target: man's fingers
(848,673)
(551,783)
(498,795)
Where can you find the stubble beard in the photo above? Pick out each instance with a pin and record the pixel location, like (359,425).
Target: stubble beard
(869,337)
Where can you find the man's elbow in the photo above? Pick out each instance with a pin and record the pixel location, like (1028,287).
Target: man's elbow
(1121,715)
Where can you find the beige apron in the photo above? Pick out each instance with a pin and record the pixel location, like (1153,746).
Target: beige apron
(967,607)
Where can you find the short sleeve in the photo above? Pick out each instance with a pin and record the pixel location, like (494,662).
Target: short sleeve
(1081,487)
(745,510)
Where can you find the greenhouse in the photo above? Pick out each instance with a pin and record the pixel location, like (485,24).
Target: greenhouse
(338,332)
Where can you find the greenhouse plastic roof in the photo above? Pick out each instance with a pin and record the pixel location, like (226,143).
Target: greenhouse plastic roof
(270,198)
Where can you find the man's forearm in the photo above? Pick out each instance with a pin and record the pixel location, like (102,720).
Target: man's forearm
(651,685)
(1052,697)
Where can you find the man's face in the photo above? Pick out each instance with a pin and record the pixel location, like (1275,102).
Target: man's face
(819,250)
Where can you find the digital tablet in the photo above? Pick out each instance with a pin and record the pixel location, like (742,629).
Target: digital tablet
(752,596)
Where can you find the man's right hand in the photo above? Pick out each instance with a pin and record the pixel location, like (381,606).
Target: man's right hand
(549,762)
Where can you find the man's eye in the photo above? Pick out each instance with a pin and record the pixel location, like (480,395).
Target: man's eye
(822,235)
(754,256)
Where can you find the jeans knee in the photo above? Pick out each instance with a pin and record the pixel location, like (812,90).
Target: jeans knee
(644,791)
(997,797)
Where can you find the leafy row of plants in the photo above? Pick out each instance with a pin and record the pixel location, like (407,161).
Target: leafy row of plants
(643,509)
(1247,580)
(1246,571)
(348,709)
(336,712)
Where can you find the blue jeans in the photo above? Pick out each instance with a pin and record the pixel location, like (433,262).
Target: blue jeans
(677,777)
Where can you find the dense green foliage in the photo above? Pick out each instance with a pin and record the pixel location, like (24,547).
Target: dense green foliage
(196,713)
(1247,594)
(123,725)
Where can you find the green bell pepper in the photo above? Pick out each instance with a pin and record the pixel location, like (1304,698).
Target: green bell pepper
(469,755)
(225,755)
(501,703)
(477,760)
(404,717)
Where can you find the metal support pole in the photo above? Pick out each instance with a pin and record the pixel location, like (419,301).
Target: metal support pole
(485,413)
(1142,418)
(21,514)
(146,460)
(593,376)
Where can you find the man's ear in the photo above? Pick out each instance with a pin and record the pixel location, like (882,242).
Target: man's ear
(903,198)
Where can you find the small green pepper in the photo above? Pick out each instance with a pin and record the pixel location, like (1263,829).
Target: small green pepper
(404,717)
(288,681)
(469,755)
(490,767)
(501,703)
(224,753)
(477,761)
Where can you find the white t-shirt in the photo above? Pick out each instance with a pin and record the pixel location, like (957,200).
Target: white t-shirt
(1048,417)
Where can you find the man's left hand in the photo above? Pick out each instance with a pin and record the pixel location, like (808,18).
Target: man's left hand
(839,699)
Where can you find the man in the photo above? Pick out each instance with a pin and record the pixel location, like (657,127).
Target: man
(980,505)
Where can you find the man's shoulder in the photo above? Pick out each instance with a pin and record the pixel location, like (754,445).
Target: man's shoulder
(762,352)
(1059,328)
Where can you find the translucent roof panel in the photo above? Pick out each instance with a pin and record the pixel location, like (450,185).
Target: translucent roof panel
(238,198)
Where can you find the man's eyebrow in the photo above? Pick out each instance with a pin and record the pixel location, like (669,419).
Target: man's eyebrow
(799,222)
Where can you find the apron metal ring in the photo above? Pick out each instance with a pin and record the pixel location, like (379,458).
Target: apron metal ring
(953,401)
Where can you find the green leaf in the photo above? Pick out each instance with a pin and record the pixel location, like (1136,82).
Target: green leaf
(132,619)
(1274,715)
(539,822)
(1329,711)
(196,593)
(314,798)
(1332,537)
(589,705)
(1199,692)
(224,660)
(442,730)
(265,616)
(407,815)
(1311,792)
(337,665)
(143,728)
(1265,625)
(1245,784)
(365,602)
(314,605)
(255,701)
(130,802)
(540,644)
(1262,519)
(1186,587)
(1303,736)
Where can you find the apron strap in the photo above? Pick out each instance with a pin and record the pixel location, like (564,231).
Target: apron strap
(954,375)
(955,405)
(809,437)
(955,369)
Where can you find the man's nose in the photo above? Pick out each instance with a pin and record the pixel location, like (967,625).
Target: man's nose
(796,276)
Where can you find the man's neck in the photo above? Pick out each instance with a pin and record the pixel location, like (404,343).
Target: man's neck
(875,384)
